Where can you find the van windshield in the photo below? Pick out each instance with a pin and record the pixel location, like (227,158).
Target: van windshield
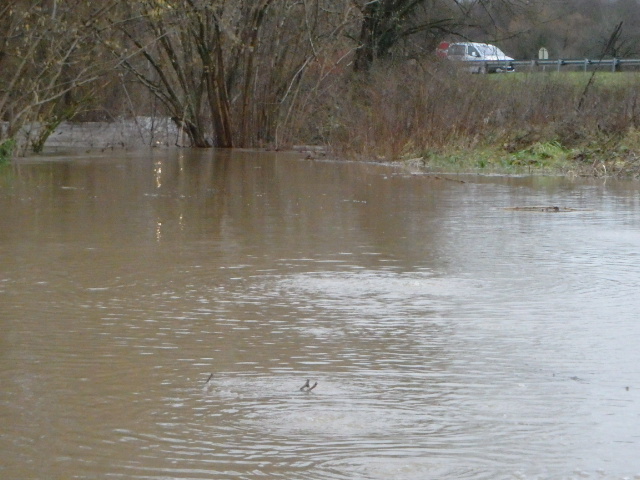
(488,50)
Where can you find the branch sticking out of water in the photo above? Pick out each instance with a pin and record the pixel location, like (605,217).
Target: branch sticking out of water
(307,387)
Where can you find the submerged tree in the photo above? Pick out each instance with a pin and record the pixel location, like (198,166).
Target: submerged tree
(223,69)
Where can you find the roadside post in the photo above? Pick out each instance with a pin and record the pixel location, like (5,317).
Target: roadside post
(543,54)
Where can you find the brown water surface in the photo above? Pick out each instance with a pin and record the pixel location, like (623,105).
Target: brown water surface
(450,336)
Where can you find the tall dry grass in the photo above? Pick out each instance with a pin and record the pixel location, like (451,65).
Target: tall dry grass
(402,110)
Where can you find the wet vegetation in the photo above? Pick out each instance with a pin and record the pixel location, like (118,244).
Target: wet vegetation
(515,122)
(356,77)
(6,150)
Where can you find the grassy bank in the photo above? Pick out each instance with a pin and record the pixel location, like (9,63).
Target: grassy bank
(620,160)
(438,117)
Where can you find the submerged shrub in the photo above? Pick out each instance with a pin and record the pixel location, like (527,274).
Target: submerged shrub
(6,150)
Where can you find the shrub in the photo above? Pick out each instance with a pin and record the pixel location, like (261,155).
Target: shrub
(6,150)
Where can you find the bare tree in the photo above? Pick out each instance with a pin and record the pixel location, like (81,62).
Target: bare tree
(48,64)
(224,69)
(385,24)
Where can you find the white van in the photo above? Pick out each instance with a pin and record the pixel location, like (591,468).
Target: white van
(480,53)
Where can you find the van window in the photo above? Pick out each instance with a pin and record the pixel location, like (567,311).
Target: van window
(473,51)
(457,49)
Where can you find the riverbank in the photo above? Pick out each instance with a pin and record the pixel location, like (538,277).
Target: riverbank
(576,124)
(571,123)
(619,158)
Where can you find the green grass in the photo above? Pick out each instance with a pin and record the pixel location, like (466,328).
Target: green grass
(542,159)
(603,77)
(621,159)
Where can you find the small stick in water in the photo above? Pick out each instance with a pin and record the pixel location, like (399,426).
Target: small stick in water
(304,387)
(210,377)
(312,387)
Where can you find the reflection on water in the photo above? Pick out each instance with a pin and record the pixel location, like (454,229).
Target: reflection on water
(450,337)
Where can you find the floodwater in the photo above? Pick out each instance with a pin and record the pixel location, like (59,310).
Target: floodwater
(160,310)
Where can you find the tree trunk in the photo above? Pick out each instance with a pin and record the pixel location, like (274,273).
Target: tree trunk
(250,49)
(218,96)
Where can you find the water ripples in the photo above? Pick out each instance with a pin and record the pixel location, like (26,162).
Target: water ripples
(415,372)
(458,340)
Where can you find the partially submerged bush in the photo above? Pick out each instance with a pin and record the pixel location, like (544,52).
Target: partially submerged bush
(7,148)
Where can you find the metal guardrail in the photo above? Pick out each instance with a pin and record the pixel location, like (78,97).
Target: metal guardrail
(613,64)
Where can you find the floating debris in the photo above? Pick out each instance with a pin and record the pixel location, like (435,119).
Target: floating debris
(542,208)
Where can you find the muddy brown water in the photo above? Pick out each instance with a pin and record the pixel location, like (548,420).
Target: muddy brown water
(450,336)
